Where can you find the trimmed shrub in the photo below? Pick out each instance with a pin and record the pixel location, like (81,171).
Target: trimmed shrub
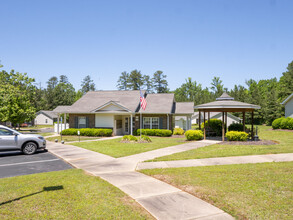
(178,131)
(145,138)
(236,127)
(290,124)
(155,132)
(194,135)
(95,132)
(236,136)
(129,138)
(285,123)
(214,125)
(277,123)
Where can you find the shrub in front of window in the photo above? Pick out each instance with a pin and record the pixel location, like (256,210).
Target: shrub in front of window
(129,138)
(155,132)
(214,125)
(178,131)
(277,123)
(94,132)
(236,127)
(236,136)
(192,135)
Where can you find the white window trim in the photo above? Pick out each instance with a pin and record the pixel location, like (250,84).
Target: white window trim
(151,122)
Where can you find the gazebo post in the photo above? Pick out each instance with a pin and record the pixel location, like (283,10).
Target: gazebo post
(226,122)
(204,125)
(243,117)
(199,120)
(223,128)
(252,121)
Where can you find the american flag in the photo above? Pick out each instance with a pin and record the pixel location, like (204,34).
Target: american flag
(143,102)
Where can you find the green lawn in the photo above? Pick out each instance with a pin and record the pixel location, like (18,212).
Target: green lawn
(70,138)
(250,191)
(285,138)
(46,134)
(69,194)
(115,148)
(37,127)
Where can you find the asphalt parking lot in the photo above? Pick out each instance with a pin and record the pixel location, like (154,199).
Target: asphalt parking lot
(16,164)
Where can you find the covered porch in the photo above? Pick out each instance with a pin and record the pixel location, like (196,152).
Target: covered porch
(225,104)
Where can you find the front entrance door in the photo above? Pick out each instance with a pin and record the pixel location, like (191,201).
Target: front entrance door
(119,130)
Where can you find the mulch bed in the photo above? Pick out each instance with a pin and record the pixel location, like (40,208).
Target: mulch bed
(261,142)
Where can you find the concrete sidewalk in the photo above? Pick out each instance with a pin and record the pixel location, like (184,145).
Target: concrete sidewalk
(162,200)
(217,161)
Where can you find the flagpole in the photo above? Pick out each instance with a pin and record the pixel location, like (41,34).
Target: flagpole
(140,123)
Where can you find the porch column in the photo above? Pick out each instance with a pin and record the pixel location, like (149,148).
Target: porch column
(168,127)
(58,119)
(243,122)
(204,125)
(131,125)
(65,120)
(223,127)
(190,122)
(226,113)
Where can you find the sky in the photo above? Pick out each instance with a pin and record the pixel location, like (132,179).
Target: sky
(233,40)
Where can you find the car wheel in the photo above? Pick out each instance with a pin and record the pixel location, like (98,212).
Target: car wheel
(29,148)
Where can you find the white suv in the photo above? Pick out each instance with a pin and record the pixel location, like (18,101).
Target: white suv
(14,140)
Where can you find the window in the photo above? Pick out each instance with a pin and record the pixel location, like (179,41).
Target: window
(46,121)
(82,122)
(126,125)
(5,132)
(151,123)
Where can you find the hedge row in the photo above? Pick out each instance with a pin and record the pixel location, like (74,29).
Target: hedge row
(236,127)
(214,125)
(155,132)
(192,135)
(95,132)
(283,123)
(236,136)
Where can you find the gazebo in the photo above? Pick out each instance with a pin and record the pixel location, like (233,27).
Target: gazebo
(225,104)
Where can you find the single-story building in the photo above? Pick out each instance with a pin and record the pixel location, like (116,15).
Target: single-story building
(122,112)
(45,118)
(288,102)
(231,119)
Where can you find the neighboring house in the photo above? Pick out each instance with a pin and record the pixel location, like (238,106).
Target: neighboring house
(215,115)
(120,111)
(45,118)
(288,102)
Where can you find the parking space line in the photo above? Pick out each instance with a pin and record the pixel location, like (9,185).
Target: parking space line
(39,161)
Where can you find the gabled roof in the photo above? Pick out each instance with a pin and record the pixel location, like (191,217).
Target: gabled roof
(159,103)
(49,114)
(112,103)
(287,99)
(61,109)
(184,108)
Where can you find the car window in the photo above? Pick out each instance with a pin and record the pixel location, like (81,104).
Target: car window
(4,131)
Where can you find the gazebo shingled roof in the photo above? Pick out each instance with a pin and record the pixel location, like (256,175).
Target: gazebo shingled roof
(224,104)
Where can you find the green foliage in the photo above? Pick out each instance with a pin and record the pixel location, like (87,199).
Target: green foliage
(285,123)
(160,83)
(214,125)
(178,131)
(277,123)
(236,127)
(129,138)
(193,135)
(145,138)
(236,136)
(290,124)
(87,85)
(17,95)
(95,132)
(155,132)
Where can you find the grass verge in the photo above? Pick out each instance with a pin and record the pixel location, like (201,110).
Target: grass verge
(250,191)
(285,139)
(69,194)
(115,148)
